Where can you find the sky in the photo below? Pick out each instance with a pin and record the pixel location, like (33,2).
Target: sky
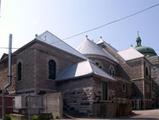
(64,18)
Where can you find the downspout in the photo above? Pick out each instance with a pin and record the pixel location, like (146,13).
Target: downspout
(9,63)
(9,76)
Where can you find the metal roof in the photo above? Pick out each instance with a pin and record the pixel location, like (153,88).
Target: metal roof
(101,41)
(89,47)
(51,39)
(82,69)
(130,54)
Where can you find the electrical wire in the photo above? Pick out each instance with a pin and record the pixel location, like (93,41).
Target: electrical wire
(106,24)
(7,48)
(114,21)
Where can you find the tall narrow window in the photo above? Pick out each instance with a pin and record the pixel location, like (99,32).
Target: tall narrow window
(19,70)
(104,90)
(52,69)
(124,87)
(147,72)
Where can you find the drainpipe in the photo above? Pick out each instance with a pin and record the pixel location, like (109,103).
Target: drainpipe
(9,62)
(9,75)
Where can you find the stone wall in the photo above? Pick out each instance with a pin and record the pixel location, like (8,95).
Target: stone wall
(137,67)
(83,97)
(4,74)
(155,79)
(78,96)
(43,54)
(34,61)
(142,82)
(53,104)
(111,109)
(27,82)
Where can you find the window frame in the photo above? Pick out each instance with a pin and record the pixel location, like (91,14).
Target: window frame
(104,97)
(51,69)
(111,71)
(124,87)
(19,71)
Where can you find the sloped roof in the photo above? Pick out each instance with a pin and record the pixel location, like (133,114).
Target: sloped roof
(51,39)
(130,54)
(89,47)
(82,69)
(4,56)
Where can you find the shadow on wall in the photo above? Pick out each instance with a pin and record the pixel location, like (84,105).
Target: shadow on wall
(77,102)
(155,88)
(136,93)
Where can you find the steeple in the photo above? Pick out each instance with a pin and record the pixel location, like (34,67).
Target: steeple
(147,51)
(138,40)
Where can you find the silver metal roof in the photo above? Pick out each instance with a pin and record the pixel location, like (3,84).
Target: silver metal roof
(130,54)
(89,47)
(101,41)
(81,69)
(51,39)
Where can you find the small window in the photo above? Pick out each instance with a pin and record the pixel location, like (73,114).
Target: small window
(104,90)
(19,71)
(147,72)
(111,71)
(97,63)
(100,67)
(124,87)
(52,69)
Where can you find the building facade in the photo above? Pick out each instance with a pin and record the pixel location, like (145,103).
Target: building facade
(95,80)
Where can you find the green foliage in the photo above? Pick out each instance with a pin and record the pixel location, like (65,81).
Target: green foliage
(34,117)
(45,116)
(7,117)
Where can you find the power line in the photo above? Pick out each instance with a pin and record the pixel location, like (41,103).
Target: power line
(114,21)
(101,26)
(7,48)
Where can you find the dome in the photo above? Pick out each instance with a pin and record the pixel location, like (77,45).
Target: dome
(88,47)
(147,51)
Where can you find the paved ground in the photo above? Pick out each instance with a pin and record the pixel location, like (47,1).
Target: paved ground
(146,114)
(137,115)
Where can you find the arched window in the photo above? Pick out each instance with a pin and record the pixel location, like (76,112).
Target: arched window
(147,72)
(111,70)
(19,71)
(52,69)
(124,87)
(104,90)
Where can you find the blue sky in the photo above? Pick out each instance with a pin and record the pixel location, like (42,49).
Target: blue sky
(25,18)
